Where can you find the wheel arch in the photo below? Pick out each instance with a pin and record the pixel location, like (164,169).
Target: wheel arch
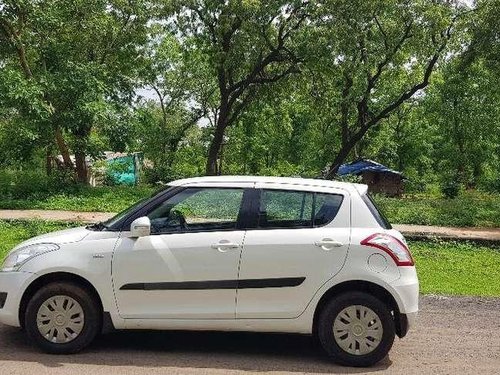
(362,286)
(56,277)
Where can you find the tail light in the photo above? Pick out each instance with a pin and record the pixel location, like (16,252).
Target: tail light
(392,246)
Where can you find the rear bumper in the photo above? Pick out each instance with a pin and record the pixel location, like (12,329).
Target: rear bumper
(3,298)
(411,318)
(406,293)
(404,322)
(406,290)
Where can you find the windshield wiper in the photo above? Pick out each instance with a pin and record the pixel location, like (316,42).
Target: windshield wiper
(97,226)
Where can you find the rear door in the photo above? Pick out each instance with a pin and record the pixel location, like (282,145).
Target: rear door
(300,241)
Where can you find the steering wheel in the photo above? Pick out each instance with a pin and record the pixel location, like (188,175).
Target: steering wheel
(173,221)
(177,215)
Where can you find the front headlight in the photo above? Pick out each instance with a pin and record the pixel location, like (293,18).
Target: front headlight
(17,258)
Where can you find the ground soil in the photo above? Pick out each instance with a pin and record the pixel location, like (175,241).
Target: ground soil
(454,335)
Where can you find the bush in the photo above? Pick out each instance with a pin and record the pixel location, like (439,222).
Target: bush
(450,189)
(469,209)
(23,184)
(161,175)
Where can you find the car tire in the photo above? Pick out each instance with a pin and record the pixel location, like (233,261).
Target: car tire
(351,340)
(62,318)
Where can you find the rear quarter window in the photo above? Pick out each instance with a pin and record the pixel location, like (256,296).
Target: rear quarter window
(377,214)
(326,208)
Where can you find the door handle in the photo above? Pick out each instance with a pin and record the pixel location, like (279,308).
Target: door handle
(328,243)
(224,245)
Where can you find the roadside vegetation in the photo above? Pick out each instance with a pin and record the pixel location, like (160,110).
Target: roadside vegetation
(457,268)
(35,191)
(14,232)
(326,82)
(81,198)
(444,267)
(469,209)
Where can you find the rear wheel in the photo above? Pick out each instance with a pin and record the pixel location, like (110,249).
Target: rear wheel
(62,318)
(356,329)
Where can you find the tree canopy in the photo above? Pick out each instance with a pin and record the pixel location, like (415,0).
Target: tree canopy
(285,87)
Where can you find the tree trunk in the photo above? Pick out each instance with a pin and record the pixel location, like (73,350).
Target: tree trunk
(339,159)
(81,167)
(48,160)
(212,168)
(63,148)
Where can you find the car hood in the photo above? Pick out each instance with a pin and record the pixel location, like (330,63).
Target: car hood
(58,237)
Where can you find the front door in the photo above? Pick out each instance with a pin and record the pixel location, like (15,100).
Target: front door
(188,267)
(300,242)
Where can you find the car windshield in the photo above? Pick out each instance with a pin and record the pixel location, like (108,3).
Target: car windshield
(111,223)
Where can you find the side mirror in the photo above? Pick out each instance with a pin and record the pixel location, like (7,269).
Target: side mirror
(140,227)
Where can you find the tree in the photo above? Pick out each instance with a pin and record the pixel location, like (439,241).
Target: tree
(374,57)
(464,105)
(182,95)
(484,28)
(247,45)
(79,57)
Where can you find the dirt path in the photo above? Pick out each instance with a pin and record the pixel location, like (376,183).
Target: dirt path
(453,336)
(422,231)
(414,231)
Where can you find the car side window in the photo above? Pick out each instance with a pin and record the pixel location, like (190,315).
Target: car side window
(198,209)
(297,209)
(285,209)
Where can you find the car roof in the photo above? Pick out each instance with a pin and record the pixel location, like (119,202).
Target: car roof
(351,187)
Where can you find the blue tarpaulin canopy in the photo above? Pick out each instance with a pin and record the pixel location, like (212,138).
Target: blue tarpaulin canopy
(363,165)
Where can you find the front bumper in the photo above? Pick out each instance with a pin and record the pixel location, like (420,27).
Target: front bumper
(12,287)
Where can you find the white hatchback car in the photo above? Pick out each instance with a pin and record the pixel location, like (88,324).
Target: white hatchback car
(222,253)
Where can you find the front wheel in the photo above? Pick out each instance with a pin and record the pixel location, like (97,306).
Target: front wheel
(62,318)
(356,329)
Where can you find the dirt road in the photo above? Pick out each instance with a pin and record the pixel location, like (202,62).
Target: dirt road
(454,335)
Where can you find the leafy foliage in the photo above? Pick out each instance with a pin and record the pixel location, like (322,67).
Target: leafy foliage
(281,87)
(33,190)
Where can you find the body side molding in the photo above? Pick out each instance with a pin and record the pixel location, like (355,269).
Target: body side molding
(282,282)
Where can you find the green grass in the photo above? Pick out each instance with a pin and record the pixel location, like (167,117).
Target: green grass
(469,209)
(446,267)
(443,267)
(14,232)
